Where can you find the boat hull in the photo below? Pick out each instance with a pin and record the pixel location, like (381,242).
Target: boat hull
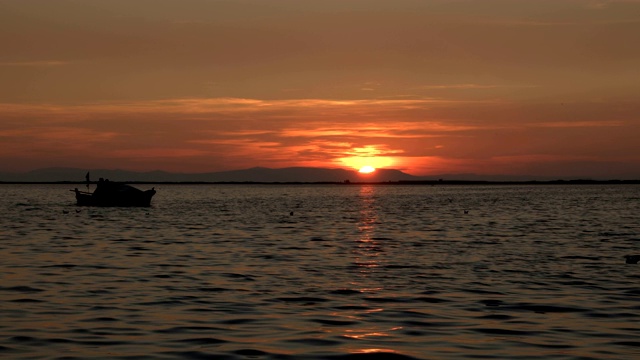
(123,196)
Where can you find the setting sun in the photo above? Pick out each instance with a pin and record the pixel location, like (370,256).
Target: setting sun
(366,159)
(367,169)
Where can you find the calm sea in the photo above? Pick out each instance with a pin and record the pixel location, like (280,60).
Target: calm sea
(322,272)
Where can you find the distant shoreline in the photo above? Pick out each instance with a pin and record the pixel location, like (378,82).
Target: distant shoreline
(344,183)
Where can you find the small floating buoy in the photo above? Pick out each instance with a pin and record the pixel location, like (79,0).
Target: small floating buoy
(466,211)
(291,213)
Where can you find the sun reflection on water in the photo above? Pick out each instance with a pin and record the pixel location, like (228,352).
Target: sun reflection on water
(368,333)
(369,260)
(373,351)
(368,250)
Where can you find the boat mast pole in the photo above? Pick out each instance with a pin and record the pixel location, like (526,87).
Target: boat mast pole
(88,180)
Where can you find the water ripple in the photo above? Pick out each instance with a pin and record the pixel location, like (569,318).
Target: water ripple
(323,272)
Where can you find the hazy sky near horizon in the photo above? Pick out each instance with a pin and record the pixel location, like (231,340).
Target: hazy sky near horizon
(545,87)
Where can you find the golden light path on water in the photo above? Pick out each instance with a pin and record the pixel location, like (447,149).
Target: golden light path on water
(368,255)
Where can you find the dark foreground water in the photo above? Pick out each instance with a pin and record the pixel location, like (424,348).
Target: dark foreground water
(322,272)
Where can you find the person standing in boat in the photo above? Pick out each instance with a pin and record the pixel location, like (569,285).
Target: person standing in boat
(102,189)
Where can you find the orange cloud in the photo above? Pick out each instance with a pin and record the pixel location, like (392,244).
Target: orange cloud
(157,153)
(421,136)
(580,124)
(44,63)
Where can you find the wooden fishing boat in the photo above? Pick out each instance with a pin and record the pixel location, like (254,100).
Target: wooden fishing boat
(110,193)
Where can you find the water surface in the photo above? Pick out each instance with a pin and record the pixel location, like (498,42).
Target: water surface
(322,272)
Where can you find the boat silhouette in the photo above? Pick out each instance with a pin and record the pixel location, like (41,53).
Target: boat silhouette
(109,193)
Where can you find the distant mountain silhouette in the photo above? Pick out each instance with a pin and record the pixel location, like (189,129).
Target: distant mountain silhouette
(305,174)
(256,174)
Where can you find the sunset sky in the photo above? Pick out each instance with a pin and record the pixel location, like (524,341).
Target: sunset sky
(544,87)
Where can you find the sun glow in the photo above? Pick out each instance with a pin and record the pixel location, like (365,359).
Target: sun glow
(367,169)
(360,162)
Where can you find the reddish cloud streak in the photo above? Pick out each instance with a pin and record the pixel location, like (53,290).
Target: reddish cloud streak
(421,136)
